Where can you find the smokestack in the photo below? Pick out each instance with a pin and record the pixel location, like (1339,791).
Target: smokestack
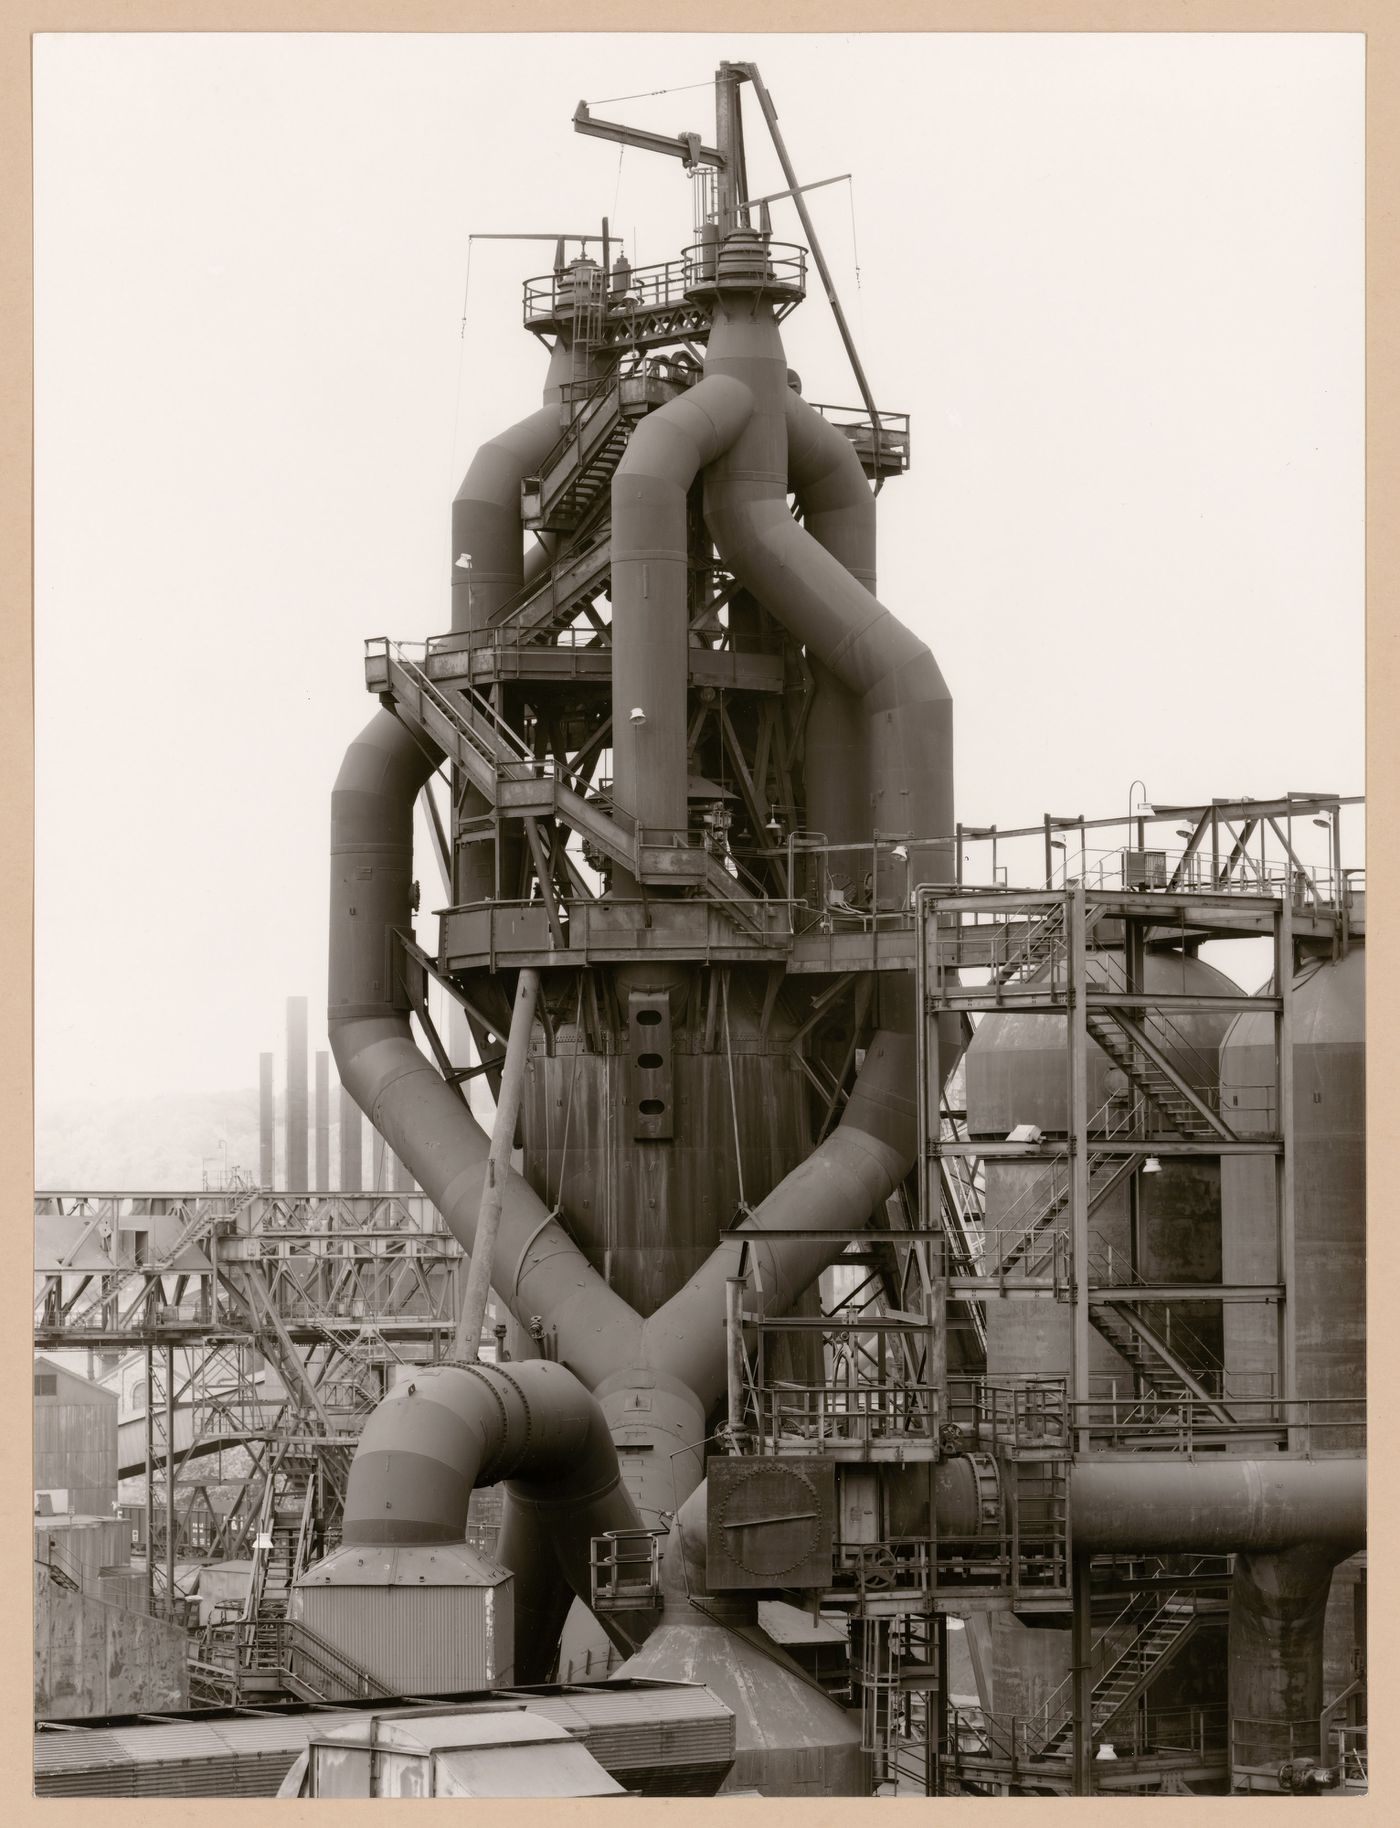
(267,1124)
(323,1122)
(352,1178)
(298,1179)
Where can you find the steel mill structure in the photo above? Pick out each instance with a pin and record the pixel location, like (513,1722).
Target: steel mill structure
(909,1228)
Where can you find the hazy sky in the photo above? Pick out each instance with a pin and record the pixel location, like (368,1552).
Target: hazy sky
(1116,280)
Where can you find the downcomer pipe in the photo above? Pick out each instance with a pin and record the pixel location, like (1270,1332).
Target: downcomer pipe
(650,598)
(906,705)
(486,531)
(531,1425)
(426,1122)
(838,511)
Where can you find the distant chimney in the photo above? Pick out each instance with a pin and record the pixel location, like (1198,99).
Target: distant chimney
(323,1122)
(298,1179)
(351,1131)
(267,1124)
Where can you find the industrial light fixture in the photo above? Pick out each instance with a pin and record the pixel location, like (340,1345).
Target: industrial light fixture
(637,715)
(1152,1165)
(900,852)
(774,824)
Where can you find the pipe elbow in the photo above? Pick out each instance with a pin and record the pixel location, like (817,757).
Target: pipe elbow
(675,442)
(454,1427)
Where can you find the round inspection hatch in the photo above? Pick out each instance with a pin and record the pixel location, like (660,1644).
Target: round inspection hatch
(772,1520)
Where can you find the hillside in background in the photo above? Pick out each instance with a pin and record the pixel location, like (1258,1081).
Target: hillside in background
(164,1144)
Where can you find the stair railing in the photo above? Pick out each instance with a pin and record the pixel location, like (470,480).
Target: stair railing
(1105,1658)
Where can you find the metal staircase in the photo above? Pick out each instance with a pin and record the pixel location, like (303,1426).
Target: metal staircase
(282,1545)
(1132,1050)
(1152,1360)
(1123,1677)
(550,603)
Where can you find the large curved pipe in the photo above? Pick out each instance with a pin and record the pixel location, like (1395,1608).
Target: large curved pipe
(531,1425)
(426,1122)
(486,510)
(650,597)
(906,705)
(486,528)
(838,511)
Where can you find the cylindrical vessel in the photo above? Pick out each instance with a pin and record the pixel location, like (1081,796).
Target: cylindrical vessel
(1329,1178)
(1017,1073)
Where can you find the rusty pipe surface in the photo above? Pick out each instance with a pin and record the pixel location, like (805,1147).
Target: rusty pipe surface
(650,597)
(840,1184)
(1278,1615)
(1204,1505)
(426,1122)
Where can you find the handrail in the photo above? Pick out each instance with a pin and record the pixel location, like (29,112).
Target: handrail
(1104,1661)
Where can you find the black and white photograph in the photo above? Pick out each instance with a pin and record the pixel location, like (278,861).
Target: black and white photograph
(699,914)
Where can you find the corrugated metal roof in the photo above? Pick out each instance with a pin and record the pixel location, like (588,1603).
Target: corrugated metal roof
(440,1564)
(445,1732)
(563,1769)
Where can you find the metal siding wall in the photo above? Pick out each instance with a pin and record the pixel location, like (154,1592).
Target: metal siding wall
(75,1447)
(417,1640)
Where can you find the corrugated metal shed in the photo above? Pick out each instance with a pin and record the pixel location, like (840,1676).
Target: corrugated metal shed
(661,1739)
(420,1620)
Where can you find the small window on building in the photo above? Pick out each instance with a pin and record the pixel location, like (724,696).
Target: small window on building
(45,1383)
(138,1394)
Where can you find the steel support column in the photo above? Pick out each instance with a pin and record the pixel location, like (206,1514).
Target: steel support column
(1082,1679)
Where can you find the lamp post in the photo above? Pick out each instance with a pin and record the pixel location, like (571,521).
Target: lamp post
(1143,805)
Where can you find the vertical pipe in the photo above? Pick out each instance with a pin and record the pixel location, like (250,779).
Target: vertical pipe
(402,1180)
(295,1115)
(1283,1078)
(467,1343)
(1078,1064)
(267,1124)
(734,1323)
(351,1136)
(169,1480)
(323,1122)
(150,1481)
